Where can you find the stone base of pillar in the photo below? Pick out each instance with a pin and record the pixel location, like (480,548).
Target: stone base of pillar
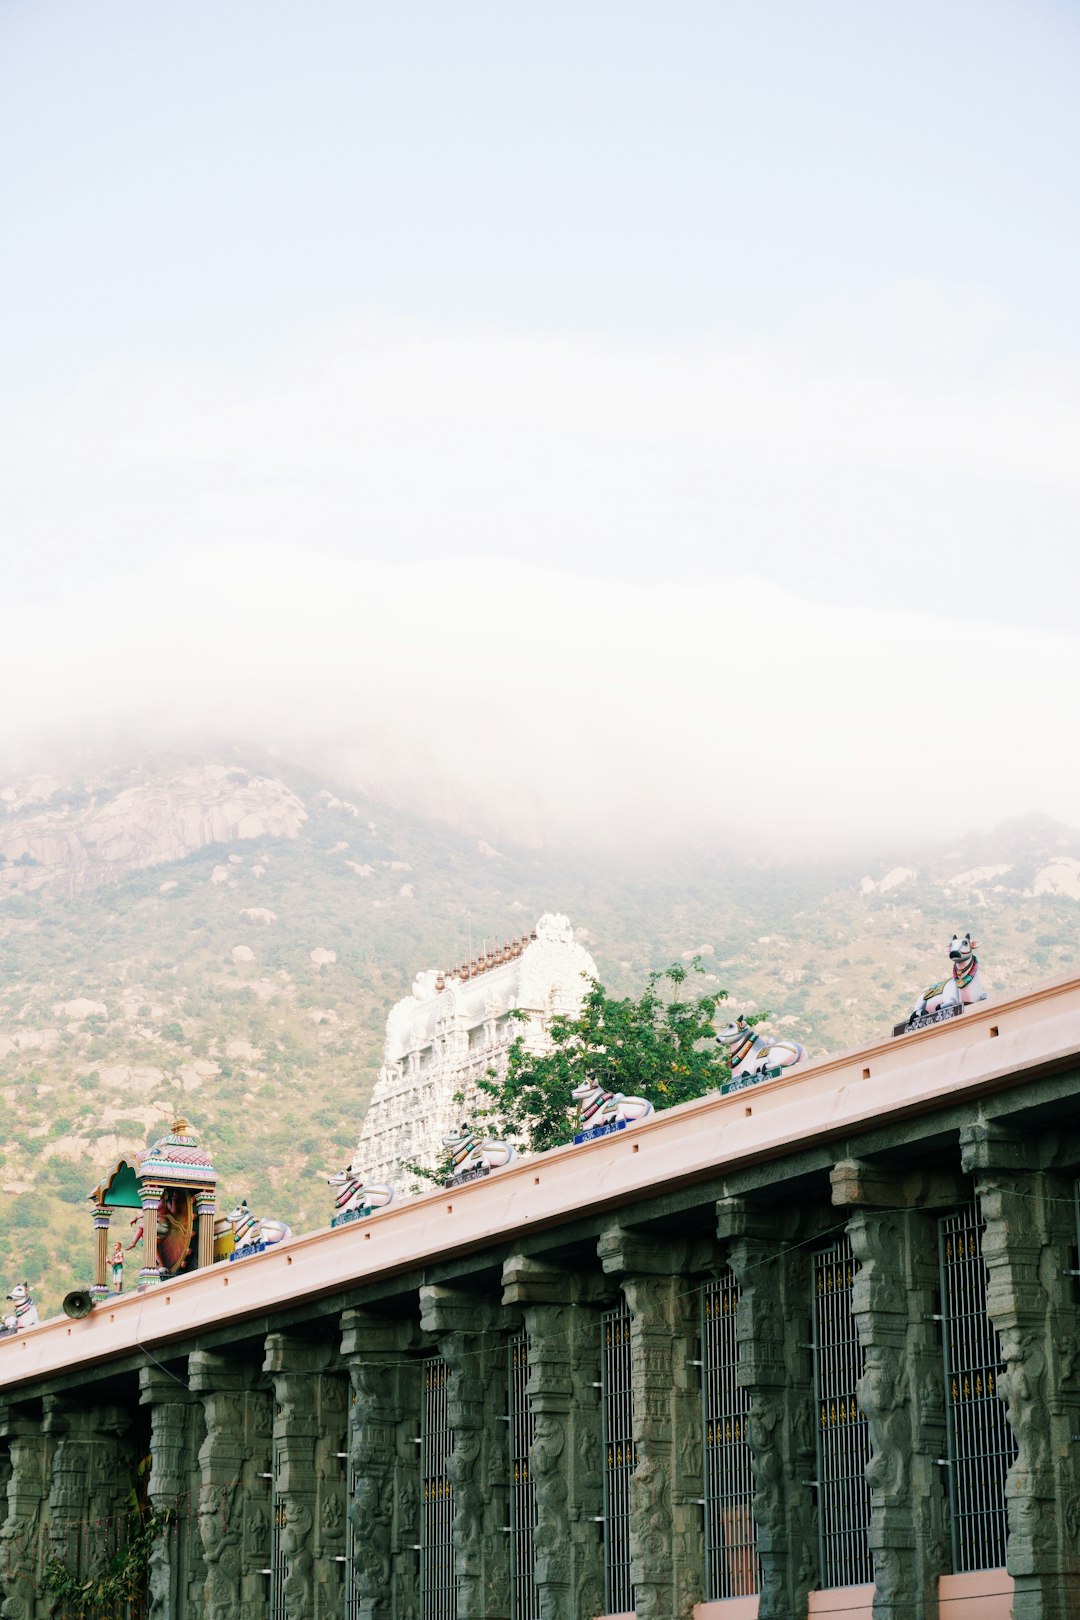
(149,1277)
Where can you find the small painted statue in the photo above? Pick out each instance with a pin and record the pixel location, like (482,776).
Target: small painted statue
(355,1197)
(473,1156)
(254,1233)
(25,1313)
(611,1108)
(755,1057)
(962,989)
(116,1262)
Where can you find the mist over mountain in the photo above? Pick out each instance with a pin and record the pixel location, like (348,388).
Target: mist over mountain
(221,933)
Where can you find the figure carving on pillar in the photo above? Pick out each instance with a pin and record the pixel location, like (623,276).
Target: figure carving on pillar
(220,1528)
(296,1549)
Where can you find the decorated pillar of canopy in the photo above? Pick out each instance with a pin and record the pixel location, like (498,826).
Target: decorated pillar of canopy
(99,1287)
(170,1188)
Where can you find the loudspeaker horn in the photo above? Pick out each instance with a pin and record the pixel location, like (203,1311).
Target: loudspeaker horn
(78,1304)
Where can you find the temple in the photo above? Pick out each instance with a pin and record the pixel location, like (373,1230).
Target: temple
(808,1348)
(172,1188)
(457,1025)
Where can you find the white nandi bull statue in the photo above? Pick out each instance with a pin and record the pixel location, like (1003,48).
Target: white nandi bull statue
(25,1313)
(962,989)
(753,1056)
(473,1156)
(610,1109)
(253,1233)
(355,1198)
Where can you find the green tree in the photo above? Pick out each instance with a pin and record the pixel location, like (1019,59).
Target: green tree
(661,1045)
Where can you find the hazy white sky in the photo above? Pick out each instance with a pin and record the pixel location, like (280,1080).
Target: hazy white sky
(576,403)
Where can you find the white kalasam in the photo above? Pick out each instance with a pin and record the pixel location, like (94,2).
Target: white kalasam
(455,1026)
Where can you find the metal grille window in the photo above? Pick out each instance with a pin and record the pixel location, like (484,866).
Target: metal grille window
(981,1444)
(731,1562)
(438,1584)
(619,1458)
(843,1437)
(279,1567)
(352,1591)
(524,1598)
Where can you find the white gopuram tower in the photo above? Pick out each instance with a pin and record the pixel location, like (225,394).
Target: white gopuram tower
(452,1029)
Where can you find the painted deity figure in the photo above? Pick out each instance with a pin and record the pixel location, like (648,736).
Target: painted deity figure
(116,1262)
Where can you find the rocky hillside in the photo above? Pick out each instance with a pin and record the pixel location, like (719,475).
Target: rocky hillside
(224,937)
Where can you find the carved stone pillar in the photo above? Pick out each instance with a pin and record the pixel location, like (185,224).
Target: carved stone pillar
(22,1537)
(177,1570)
(100,1287)
(564,1460)
(902,1389)
(309,1482)
(150,1271)
(773,1327)
(235,1494)
(87,1509)
(1030,1232)
(667,1551)
(464,1328)
(384,1505)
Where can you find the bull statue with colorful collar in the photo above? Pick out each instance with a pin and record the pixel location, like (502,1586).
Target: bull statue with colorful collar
(25,1313)
(601,1111)
(949,997)
(241,1233)
(473,1155)
(355,1198)
(754,1056)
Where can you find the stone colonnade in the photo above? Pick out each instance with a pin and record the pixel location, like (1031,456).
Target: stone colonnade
(290,1465)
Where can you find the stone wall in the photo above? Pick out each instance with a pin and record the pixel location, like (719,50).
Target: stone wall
(287,1452)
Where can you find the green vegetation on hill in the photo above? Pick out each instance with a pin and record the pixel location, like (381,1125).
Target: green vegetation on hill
(190,986)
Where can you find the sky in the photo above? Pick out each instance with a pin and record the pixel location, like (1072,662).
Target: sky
(659,418)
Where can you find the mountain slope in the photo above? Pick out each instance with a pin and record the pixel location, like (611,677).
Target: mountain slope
(223,937)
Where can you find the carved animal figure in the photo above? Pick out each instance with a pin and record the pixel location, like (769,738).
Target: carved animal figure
(254,1233)
(469,1150)
(354,1194)
(25,1313)
(600,1107)
(752,1055)
(965,985)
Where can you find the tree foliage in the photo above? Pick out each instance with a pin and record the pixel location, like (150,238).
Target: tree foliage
(661,1045)
(117,1584)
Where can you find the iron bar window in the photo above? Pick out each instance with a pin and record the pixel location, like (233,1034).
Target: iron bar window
(279,1566)
(731,1561)
(843,1436)
(524,1597)
(981,1444)
(438,1580)
(352,1590)
(620,1457)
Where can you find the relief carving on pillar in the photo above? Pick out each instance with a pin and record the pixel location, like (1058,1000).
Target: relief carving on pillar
(220,1531)
(235,1445)
(21,1532)
(295,1543)
(549,1483)
(371,1504)
(774,1366)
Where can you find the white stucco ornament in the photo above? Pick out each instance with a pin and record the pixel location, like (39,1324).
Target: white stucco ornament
(453,1028)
